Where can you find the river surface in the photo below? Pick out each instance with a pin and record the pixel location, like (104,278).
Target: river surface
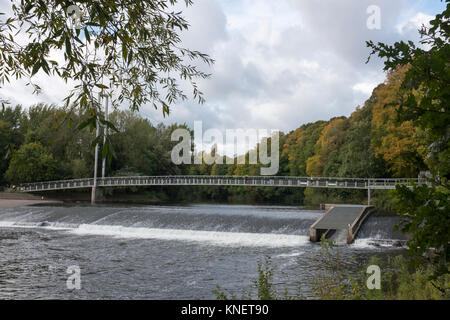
(168,252)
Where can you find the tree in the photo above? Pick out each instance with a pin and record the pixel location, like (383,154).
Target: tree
(357,156)
(299,146)
(400,144)
(31,163)
(129,47)
(47,125)
(132,143)
(426,83)
(427,100)
(428,222)
(330,140)
(11,136)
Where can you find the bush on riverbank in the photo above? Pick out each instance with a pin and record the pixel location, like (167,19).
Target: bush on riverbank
(399,280)
(262,288)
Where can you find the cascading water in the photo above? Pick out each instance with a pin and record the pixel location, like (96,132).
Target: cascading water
(378,231)
(242,226)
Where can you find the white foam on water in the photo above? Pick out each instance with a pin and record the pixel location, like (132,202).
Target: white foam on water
(289,255)
(362,243)
(211,237)
(32,225)
(366,243)
(7,224)
(219,238)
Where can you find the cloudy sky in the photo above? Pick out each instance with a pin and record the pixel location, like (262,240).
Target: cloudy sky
(279,64)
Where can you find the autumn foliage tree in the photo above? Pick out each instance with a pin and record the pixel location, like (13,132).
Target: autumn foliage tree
(399,143)
(331,139)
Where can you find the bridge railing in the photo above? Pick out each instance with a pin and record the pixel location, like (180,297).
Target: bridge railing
(276,181)
(391,182)
(57,185)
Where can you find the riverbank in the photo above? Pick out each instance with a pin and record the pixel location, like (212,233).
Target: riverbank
(13,199)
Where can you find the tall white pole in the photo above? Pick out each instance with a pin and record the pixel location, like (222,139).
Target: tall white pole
(97,133)
(105,134)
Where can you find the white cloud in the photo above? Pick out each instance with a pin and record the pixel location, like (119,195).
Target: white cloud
(414,23)
(365,87)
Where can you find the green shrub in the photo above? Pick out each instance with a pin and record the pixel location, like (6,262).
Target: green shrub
(261,289)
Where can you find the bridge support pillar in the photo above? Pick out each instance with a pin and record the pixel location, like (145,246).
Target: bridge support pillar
(97,194)
(93,195)
(368,196)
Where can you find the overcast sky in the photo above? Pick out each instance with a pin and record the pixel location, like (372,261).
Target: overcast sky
(279,64)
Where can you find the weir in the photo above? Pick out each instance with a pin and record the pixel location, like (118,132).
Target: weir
(340,221)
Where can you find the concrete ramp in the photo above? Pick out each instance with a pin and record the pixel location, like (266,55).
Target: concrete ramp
(339,218)
(338,236)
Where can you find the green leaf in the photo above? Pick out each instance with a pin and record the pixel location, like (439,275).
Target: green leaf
(96,141)
(68,47)
(124,51)
(109,124)
(36,68)
(86,33)
(84,124)
(105,150)
(101,86)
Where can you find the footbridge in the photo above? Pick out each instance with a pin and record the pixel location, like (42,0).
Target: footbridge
(247,181)
(255,181)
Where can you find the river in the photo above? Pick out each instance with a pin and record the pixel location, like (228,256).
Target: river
(168,252)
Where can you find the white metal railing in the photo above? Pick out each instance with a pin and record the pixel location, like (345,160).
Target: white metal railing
(274,181)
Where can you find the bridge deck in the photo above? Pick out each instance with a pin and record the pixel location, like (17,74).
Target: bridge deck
(258,181)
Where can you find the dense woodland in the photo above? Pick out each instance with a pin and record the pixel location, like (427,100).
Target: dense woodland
(43,142)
